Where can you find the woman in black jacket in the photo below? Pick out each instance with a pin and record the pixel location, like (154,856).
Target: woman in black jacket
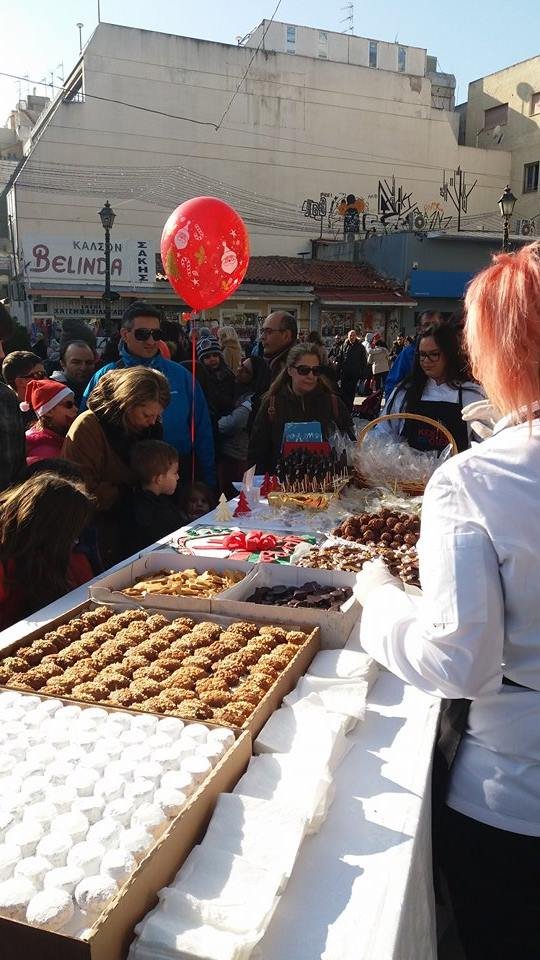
(299,394)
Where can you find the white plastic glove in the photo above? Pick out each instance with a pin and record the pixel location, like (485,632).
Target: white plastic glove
(373,574)
(482,416)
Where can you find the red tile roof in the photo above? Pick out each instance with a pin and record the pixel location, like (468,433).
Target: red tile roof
(326,274)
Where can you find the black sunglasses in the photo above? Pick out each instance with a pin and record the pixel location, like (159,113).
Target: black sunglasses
(303,370)
(143,334)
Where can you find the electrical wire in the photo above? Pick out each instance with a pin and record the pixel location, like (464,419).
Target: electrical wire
(248,68)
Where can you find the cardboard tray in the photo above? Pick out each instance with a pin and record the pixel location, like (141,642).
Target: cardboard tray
(112,933)
(271,700)
(108,588)
(335,625)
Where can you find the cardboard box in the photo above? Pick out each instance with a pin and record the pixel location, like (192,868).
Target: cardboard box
(335,625)
(112,933)
(272,699)
(108,587)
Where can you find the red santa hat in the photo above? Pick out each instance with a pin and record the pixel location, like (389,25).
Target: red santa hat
(42,395)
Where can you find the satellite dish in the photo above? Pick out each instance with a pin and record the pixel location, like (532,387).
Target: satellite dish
(498,134)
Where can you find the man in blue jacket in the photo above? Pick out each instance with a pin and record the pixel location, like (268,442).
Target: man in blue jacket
(140,334)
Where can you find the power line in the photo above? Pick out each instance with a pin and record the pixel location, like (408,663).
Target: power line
(255,52)
(122,103)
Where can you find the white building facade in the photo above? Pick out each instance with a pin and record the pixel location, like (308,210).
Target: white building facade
(148,120)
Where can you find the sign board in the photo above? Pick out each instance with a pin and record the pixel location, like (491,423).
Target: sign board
(81,260)
(306,432)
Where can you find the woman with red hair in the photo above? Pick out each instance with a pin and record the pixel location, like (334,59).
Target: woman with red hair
(474,635)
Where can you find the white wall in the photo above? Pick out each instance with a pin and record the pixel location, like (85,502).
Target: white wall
(298,127)
(342,47)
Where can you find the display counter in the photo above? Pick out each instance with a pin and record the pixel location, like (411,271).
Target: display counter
(361,886)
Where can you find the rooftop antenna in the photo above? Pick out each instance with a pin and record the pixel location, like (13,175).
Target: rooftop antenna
(349,19)
(79,27)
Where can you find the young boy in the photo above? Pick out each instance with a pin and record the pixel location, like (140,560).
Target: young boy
(154,512)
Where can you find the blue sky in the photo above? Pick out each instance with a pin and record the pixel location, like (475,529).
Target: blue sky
(469,37)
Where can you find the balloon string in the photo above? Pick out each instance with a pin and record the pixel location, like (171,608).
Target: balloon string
(193,382)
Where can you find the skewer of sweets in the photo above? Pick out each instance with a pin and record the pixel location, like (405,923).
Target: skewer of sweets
(307,472)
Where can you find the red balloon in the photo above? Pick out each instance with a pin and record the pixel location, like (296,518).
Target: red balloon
(205,251)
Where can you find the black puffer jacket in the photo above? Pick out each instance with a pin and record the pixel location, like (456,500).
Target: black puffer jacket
(285,406)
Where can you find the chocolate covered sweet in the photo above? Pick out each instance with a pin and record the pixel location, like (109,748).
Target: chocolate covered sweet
(310,594)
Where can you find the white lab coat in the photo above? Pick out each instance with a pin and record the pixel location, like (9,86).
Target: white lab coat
(479,614)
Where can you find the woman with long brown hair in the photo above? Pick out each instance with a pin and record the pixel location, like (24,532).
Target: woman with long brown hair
(124,407)
(299,394)
(40,521)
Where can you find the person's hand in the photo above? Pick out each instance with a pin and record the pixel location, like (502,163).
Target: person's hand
(482,415)
(373,574)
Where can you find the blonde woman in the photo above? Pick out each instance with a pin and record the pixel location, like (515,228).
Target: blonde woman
(230,345)
(126,406)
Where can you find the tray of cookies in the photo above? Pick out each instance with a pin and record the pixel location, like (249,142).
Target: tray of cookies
(225,669)
(165,580)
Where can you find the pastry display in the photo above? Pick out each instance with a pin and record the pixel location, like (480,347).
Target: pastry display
(402,562)
(184,583)
(309,594)
(66,868)
(386,528)
(149,663)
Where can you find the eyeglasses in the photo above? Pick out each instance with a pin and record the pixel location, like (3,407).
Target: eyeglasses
(143,334)
(430,355)
(267,330)
(36,375)
(304,371)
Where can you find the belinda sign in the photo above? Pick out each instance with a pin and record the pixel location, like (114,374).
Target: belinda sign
(82,260)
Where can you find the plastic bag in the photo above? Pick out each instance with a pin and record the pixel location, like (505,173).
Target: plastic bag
(383,461)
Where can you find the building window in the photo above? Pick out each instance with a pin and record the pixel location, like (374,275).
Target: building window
(323,44)
(535,104)
(495,116)
(530,177)
(291,39)
(373,53)
(402,59)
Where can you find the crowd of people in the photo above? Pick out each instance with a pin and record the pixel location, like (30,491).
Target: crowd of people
(151,443)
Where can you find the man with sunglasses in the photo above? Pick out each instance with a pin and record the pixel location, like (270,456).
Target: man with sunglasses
(140,336)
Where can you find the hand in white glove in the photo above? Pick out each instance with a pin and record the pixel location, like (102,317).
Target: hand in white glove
(482,416)
(374,574)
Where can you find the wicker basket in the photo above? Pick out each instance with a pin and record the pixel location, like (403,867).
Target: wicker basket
(413,487)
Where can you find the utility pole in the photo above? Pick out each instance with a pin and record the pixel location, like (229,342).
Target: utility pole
(80,26)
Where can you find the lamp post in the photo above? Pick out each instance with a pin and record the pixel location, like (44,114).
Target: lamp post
(506,202)
(107,216)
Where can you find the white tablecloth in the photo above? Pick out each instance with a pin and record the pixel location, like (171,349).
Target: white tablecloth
(361,888)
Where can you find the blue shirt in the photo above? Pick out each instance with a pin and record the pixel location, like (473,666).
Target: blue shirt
(177,415)
(401,368)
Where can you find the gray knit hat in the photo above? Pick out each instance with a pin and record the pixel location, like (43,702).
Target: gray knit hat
(207,347)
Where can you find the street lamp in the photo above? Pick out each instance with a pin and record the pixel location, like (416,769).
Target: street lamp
(506,202)
(107,215)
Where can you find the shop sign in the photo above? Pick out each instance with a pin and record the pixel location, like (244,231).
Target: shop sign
(82,260)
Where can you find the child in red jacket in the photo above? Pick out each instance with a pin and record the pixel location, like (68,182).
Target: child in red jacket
(55,407)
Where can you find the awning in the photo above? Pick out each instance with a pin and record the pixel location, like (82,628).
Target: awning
(440,284)
(359,298)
